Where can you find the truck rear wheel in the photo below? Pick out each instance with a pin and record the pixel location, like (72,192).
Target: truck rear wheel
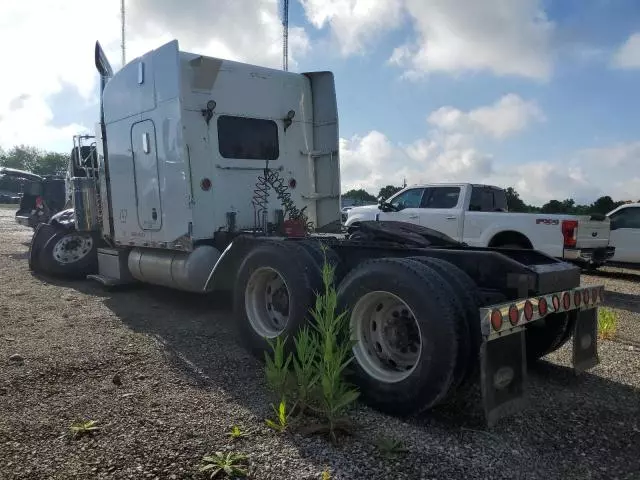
(274,293)
(461,289)
(69,254)
(404,328)
(319,254)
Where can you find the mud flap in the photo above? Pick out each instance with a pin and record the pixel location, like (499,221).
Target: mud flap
(41,235)
(503,375)
(585,340)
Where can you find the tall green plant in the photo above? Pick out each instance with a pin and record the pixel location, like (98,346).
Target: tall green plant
(277,367)
(334,355)
(304,366)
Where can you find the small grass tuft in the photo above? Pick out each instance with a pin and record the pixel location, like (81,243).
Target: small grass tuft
(80,429)
(390,447)
(281,421)
(230,465)
(325,475)
(236,432)
(607,323)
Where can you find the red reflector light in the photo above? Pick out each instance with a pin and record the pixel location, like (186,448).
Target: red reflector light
(577,298)
(496,320)
(570,232)
(585,297)
(542,306)
(513,315)
(556,303)
(528,310)
(566,301)
(38,202)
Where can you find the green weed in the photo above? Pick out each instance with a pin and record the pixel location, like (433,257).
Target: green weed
(231,465)
(304,366)
(333,356)
(80,429)
(281,419)
(390,447)
(236,433)
(277,367)
(607,323)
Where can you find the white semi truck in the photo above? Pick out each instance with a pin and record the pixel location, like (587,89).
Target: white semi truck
(206,175)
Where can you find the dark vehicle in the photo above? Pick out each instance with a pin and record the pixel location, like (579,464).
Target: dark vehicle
(40,197)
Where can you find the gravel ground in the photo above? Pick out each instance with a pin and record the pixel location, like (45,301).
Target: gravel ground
(183,381)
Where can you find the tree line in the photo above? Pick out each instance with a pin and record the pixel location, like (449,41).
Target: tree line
(34,160)
(601,206)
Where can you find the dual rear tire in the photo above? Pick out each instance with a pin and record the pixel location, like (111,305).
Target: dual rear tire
(415,332)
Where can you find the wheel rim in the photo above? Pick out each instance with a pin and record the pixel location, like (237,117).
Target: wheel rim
(72,248)
(267,302)
(388,340)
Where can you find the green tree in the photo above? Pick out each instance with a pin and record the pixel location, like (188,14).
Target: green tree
(51,163)
(360,195)
(603,205)
(514,202)
(557,206)
(31,159)
(388,191)
(22,157)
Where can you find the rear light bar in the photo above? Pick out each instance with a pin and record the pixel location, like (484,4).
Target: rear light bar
(499,319)
(570,233)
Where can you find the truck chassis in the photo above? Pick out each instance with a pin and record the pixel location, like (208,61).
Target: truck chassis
(428,316)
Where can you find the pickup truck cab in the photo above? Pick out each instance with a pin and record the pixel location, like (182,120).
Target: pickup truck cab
(625,234)
(477,215)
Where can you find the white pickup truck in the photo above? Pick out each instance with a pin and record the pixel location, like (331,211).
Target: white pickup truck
(625,234)
(477,215)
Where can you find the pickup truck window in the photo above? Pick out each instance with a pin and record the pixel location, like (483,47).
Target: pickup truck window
(441,197)
(408,199)
(627,218)
(487,199)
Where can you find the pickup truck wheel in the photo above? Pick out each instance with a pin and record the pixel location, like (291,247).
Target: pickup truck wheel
(274,293)
(547,335)
(406,342)
(70,254)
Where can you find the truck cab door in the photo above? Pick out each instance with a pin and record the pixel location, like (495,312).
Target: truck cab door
(145,163)
(625,235)
(441,210)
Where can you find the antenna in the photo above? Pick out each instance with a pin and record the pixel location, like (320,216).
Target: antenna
(285,35)
(122,23)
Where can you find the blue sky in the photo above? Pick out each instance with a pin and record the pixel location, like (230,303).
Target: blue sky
(537,94)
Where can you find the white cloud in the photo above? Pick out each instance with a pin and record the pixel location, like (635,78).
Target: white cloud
(508,115)
(628,55)
(354,23)
(48,44)
(242,30)
(503,37)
